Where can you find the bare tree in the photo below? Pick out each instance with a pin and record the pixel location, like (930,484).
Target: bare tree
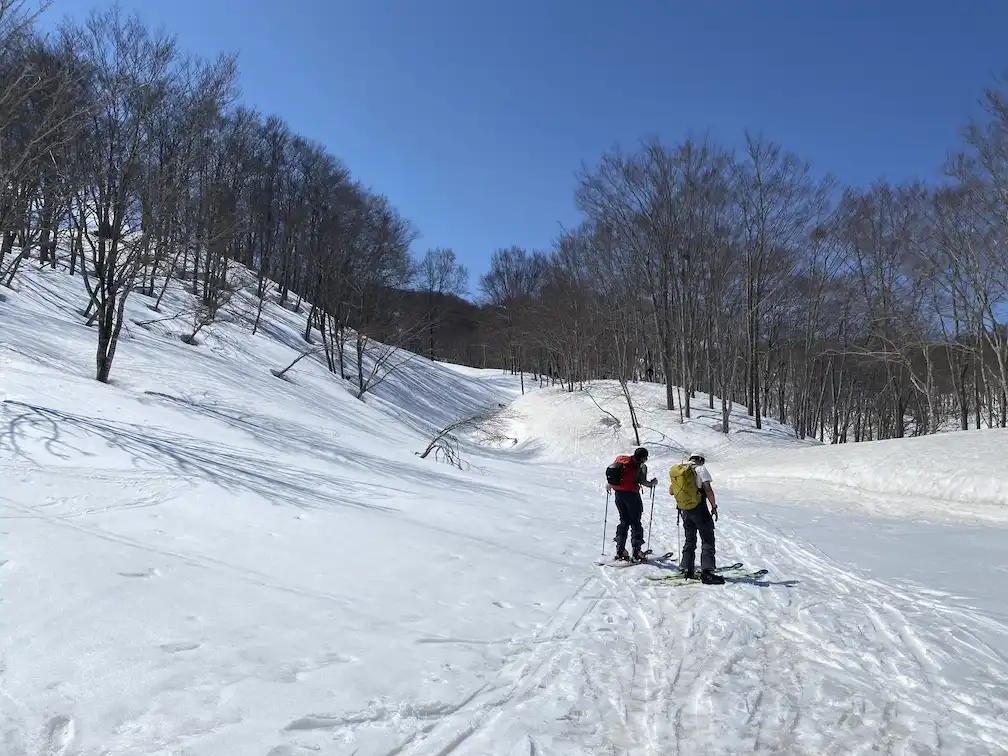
(41,111)
(439,275)
(445,444)
(381,266)
(980,261)
(778,200)
(131,80)
(510,286)
(305,353)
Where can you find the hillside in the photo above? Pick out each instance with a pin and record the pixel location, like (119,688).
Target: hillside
(204,559)
(594,425)
(959,475)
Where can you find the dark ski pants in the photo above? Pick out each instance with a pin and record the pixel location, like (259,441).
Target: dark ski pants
(631,509)
(698,520)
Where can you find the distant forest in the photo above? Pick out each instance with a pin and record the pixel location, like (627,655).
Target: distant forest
(848,313)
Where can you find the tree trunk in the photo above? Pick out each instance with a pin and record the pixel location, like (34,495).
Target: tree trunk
(360,364)
(6,245)
(308,323)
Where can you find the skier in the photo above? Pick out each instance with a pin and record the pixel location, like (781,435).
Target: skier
(629,503)
(690,484)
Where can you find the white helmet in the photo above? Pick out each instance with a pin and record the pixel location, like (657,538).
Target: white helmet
(697,456)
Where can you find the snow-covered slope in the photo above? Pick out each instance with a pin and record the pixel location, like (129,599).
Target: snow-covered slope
(204,559)
(202,554)
(962,474)
(593,425)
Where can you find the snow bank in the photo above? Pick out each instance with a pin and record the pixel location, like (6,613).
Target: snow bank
(967,467)
(592,425)
(588,428)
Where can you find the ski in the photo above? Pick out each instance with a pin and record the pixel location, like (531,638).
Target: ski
(655,560)
(625,562)
(723,568)
(648,559)
(731,572)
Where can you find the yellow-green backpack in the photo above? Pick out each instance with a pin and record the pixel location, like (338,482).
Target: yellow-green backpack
(683,485)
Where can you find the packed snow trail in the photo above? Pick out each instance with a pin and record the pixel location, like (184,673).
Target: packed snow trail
(815,659)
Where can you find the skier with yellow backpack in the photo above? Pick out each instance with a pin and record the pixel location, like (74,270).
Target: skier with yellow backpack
(690,485)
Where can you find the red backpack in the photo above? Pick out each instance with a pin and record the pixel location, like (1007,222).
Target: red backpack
(621,475)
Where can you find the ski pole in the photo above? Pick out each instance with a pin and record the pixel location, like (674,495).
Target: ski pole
(650,520)
(605,521)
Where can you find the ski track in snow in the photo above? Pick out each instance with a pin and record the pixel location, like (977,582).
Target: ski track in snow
(813,659)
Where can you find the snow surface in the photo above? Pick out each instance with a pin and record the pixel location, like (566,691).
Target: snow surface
(962,476)
(203,559)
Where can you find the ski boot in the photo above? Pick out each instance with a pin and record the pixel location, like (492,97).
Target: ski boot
(622,555)
(709,577)
(639,556)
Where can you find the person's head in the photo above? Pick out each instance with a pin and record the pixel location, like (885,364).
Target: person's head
(640,454)
(697,458)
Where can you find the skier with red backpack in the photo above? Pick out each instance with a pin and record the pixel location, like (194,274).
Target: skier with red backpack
(624,477)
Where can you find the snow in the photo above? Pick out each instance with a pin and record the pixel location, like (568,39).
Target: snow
(583,425)
(203,559)
(925,476)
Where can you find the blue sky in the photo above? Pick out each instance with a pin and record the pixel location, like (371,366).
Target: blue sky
(473,116)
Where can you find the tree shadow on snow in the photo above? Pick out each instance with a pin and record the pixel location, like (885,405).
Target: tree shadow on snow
(153,448)
(231,468)
(672,565)
(280,434)
(762,583)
